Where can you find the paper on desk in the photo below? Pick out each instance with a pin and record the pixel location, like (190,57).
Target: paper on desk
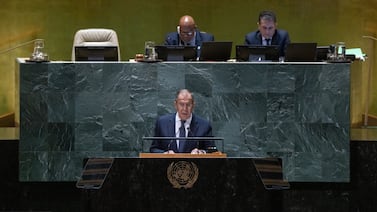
(357,52)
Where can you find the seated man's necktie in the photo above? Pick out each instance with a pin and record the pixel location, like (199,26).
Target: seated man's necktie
(268,42)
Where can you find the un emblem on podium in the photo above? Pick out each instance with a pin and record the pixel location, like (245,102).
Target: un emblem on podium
(182,174)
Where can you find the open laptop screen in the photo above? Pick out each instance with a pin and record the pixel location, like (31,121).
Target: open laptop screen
(96,53)
(257,53)
(301,52)
(176,53)
(322,52)
(215,51)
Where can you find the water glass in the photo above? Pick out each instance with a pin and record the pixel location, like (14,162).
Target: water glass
(150,52)
(340,51)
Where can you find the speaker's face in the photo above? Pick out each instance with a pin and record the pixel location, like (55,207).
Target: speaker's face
(184,105)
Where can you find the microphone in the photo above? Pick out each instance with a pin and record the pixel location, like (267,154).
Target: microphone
(189,134)
(37,55)
(370,37)
(169,145)
(17,46)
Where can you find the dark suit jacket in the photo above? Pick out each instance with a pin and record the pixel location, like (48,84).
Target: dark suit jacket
(165,127)
(280,38)
(173,38)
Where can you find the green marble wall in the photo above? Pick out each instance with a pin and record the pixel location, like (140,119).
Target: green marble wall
(298,112)
(136,21)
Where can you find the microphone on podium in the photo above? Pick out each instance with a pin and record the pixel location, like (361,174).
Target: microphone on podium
(17,46)
(189,134)
(37,56)
(208,149)
(169,145)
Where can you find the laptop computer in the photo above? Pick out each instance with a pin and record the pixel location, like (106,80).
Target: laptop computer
(176,53)
(256,53)
(96,53)
(215,51)
(322,52)
(301,52)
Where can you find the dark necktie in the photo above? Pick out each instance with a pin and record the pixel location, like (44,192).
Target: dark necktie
(268,42)
(182,134)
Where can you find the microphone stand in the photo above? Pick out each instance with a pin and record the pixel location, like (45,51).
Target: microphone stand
(169,146)
(18,46)
(37,54)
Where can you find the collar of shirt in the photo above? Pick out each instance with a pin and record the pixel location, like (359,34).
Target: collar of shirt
(264,40)
(178,124)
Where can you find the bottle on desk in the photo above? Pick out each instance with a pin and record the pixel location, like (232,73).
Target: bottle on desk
(340,51)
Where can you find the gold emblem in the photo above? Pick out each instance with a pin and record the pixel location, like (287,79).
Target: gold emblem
(182,174)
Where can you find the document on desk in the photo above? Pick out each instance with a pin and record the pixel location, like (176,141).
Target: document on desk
(357,52)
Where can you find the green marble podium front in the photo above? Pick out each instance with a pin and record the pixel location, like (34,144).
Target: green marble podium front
(295,111)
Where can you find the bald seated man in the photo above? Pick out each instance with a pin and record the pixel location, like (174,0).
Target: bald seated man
(183,123)
(187,34)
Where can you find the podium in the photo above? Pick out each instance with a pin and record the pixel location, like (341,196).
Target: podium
(143,184)
(182,182)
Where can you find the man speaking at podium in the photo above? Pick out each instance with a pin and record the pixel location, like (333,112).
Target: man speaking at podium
(183,123)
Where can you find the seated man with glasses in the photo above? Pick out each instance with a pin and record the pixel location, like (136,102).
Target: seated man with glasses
(183,123)
(187,34)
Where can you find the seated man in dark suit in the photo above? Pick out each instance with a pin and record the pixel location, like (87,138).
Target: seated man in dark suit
(187,34)
(183,123)
(267,33)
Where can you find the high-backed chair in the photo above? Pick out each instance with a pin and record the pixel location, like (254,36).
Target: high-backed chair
(95,37)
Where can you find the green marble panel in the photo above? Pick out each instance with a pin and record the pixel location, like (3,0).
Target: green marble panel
(296,111)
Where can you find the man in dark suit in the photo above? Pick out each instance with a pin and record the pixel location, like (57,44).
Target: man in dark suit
(187,34)
(183,123)
(268,34)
